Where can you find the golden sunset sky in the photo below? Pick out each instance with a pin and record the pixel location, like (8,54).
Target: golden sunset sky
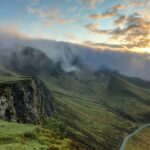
(122,25)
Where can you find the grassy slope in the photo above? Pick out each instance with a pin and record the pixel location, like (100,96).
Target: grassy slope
(140,141)
(98,110)
(97,115)
(10,79)
(28,137)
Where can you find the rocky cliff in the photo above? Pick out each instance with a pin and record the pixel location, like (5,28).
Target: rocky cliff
(25,100)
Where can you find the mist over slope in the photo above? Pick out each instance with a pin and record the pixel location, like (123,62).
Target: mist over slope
(98,109)
(73,57)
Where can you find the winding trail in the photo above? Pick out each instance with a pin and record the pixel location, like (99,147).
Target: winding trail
(126,139)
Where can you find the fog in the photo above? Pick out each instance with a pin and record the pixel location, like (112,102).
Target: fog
(75,57)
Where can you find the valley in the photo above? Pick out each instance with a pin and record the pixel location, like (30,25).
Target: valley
(74,74)
(97,110)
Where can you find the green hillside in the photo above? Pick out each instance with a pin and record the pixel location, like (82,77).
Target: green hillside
(140,141)
(32,137)
(99,109)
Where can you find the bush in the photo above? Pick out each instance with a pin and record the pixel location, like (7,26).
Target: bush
(54,123)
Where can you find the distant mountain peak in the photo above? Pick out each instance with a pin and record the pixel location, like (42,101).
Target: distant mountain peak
(31,61)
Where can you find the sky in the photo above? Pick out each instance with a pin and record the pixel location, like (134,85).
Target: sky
(122,25)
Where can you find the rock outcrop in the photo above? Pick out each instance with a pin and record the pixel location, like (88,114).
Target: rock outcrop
(25,100)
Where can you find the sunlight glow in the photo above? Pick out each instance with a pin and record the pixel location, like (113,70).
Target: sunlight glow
(141,50)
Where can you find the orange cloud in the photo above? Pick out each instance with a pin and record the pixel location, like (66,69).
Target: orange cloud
(12,31)
(121,20)
(95,29)
(113,11)
(136,32)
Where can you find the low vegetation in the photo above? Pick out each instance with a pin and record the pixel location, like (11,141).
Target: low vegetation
(140,141)
(96,110)
(54,123)
(99,110)
(14,136)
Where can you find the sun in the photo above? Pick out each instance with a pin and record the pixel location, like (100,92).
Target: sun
(141,50)
(146,50)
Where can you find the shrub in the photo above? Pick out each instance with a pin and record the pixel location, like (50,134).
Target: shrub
(54,123)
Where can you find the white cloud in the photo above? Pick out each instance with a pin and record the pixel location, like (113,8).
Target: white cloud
(127,63)
(92,3)
(49,17)
(72,38)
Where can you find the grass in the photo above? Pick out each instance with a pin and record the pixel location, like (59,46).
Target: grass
(31,137)
(140,141)
(97,110)
(97,115)
(11,79)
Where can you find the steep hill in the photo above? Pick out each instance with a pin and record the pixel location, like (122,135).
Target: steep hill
(31,62)
(24,99)
(98,109)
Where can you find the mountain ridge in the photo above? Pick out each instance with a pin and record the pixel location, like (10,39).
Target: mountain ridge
(98,108)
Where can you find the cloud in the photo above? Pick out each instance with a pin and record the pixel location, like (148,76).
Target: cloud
(146,10)
(131,31)
(135,33)
(71,56)
(12,31)
(11,40)
(135,3)
(49,17)
(72,38)
(11,36)
(95,16)
(113,11)
(92,3)
(104,46)
(95,29)
(121,20)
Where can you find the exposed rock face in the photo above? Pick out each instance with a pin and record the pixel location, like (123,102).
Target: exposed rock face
(25,101)
(3,106)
